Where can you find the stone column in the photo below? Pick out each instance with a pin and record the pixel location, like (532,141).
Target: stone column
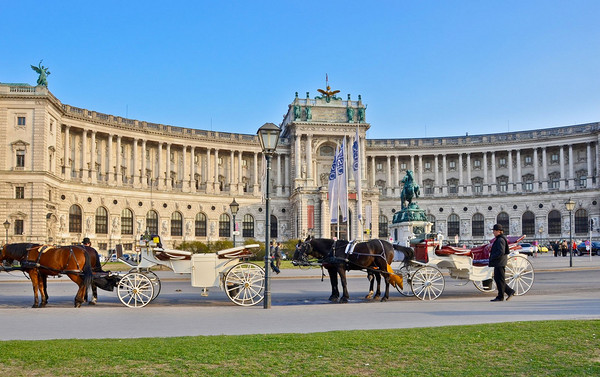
(119,162)
(185,181)
(436,175)
(297,151)
(111,161)
(461,182)
(67,156)
(240,176)
(571,183)
(388,177)
(193,168)
(421,172)
(255,175)
(94,173)
(395,186)
(511,182)
(143,177)
(562,168)
(278,172)
(159,172)
(85,168)
(590,172)
(372,175)
(286,175)
(469,181)
(544,170)
(134,167)
(168,168)
(536,176)
(217,185)
(494,185)
(231,175)
(412,163)
(485,174)
(519,175)
(444,175)
(208,173)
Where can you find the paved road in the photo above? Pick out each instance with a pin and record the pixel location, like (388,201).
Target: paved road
(299,306)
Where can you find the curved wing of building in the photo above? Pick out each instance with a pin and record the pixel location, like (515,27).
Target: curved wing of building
(69,173)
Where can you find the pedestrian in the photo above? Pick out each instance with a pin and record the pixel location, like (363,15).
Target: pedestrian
(271,258)
(93,253)
(498,260)
(555,248)
(277,254)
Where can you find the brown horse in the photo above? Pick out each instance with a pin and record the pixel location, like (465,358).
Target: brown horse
(337,258)
(41,261)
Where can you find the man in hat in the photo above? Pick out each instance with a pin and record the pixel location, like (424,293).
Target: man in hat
(498,260)
(93,253)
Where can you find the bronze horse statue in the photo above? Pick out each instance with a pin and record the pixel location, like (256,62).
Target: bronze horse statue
(410,190)
(41,261)
(337,257)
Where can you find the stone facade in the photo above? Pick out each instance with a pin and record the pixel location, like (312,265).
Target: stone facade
(68,173)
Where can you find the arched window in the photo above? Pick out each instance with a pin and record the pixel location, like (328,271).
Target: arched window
(101,220)
(152,222)
(176,224)
(477,225)
(224,226)
(248,226)
(503,220)
(200,225)
(431,219)
(75,219)
(581,222)
(554,218)
(528,227)
(274,233)
(383,226)
(126,221)
(453,225)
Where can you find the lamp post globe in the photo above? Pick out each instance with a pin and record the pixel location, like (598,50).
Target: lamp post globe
(570,205)
(6,226)
(234,207)
(268,135)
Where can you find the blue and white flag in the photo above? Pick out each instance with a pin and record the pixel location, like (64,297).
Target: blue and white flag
(357,174)
(342,181)
(332,189)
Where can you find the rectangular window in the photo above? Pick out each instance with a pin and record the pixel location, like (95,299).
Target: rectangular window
(528,161)
(528,186)
(452,165)
(19,227)
(20,159)
(20,121)
(453,189)
(403,166)
(19,192)
(379,166)
(428,190)
(554,158)
(428,165)
(477,164)
(502,162)
(555,183)
(477,188)
(582,181)
(503,186)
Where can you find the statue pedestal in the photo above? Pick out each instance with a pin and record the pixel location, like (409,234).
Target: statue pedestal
(409,223)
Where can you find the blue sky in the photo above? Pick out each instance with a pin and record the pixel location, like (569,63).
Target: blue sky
(424,68)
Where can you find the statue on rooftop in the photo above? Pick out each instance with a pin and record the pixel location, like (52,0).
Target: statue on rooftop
(43,74)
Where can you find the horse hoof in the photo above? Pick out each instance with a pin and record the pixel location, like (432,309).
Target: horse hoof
(376,297)
(92,303)
(333,299)
(344,300)
(35,306)
(369,297)
(384,299)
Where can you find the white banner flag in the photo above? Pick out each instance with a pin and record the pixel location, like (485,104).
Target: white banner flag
(357,176)
(333,197)
(342,181)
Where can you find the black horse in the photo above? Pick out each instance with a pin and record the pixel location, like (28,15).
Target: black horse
(338,257)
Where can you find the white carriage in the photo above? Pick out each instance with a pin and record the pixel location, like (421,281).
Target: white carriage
(242,281)
(423,275)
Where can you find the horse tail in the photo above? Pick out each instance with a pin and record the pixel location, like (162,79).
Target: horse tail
(409,253)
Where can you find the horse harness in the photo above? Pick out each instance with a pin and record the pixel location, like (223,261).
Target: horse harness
(43,249)
(349,250)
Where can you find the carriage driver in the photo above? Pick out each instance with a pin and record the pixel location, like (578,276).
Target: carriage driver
(87,244)
(498,260)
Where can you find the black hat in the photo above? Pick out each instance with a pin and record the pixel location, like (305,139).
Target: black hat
(86,240)
(498,227)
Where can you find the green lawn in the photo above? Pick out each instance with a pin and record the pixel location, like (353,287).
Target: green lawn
(550,348)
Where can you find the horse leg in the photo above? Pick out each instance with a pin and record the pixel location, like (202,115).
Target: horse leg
(335,293)
(386,296)
(345,296)
(81,292)
(45,284)
(33,275)
(94,295)
(371,278)
(378,292)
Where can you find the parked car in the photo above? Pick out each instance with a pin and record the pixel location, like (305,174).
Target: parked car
(526,248)
(113,258)
(581,249)
(543,249)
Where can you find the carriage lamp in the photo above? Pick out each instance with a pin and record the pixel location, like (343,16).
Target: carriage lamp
(570,205)
(6,226)
(268,135)
(234,207)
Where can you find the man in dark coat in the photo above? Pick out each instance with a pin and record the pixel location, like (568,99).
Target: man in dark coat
(498,260)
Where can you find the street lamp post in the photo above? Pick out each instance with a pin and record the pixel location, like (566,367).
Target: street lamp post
(234,207)
(6,226)
(268,135)
(570,205)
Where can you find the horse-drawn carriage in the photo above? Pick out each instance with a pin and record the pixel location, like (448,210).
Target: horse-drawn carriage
(242,281)
(424,279)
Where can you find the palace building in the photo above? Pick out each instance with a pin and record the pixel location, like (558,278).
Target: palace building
(69,173)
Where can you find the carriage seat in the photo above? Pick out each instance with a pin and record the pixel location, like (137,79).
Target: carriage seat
(237,252)
(452,250)
(172,254)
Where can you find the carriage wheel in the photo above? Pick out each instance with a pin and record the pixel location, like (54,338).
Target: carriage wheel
(519,274)
(491,287)
(245,284)
(155,283)
(406,272)
(427,283)
(135,290)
